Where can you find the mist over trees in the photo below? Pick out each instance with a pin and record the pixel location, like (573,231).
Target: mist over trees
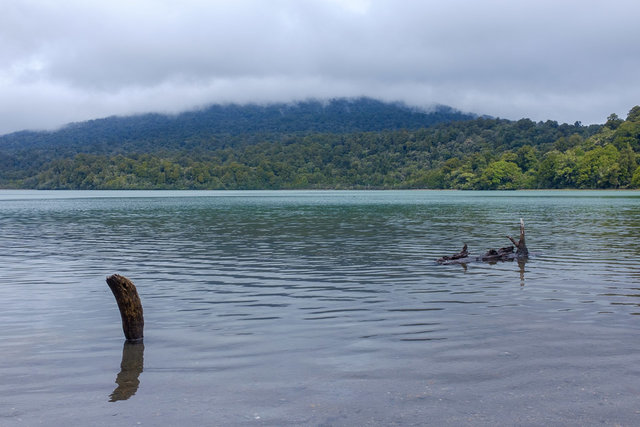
(358,144)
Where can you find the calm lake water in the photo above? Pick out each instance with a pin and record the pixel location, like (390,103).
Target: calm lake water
(320,308)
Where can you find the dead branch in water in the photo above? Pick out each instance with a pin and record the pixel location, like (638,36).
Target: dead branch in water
(492,255)
(521,247)
(130,306)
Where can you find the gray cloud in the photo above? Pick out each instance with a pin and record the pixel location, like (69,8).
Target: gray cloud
(76,60)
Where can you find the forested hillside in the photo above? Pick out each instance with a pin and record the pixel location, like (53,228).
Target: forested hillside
(328,151)
(230,124)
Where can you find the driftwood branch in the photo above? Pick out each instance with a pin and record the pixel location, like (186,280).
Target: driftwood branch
(492,255)
(502,254)
(130,306)
(464,253)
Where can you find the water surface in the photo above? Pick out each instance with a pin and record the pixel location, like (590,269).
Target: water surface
(320,308)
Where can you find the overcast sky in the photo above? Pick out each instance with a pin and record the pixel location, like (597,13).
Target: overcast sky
(65,60)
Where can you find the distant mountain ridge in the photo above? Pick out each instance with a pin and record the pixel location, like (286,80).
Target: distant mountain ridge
(142,132)
(338,144)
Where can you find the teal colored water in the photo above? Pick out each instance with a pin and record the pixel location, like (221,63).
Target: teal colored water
(320,308)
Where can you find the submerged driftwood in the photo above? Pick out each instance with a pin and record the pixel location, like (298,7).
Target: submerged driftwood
(502,254)
(464,253)
(130,306)
(519,251)
(521,247)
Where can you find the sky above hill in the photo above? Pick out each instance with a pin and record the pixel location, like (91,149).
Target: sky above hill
(66,60)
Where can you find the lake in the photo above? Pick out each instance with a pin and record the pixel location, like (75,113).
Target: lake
(320,308)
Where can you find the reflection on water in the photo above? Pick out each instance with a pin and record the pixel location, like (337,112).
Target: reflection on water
(321,308)
(521,263)
(130,369)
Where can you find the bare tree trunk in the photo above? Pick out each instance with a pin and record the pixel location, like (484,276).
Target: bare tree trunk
(521,247)
(130,306)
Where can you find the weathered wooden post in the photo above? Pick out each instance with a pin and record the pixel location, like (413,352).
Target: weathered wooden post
(130,306)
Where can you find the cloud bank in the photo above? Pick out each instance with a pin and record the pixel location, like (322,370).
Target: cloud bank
(63,61)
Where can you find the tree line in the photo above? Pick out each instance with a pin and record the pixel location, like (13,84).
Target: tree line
(483,153)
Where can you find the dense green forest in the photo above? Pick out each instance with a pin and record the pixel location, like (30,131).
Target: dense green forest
(229,125)
(406,151)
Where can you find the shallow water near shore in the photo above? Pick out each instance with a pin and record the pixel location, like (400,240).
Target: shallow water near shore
(320,308)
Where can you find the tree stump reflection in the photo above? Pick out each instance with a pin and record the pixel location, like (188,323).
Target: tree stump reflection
(130,369)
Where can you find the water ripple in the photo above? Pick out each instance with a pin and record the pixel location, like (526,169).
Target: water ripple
(259,293)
